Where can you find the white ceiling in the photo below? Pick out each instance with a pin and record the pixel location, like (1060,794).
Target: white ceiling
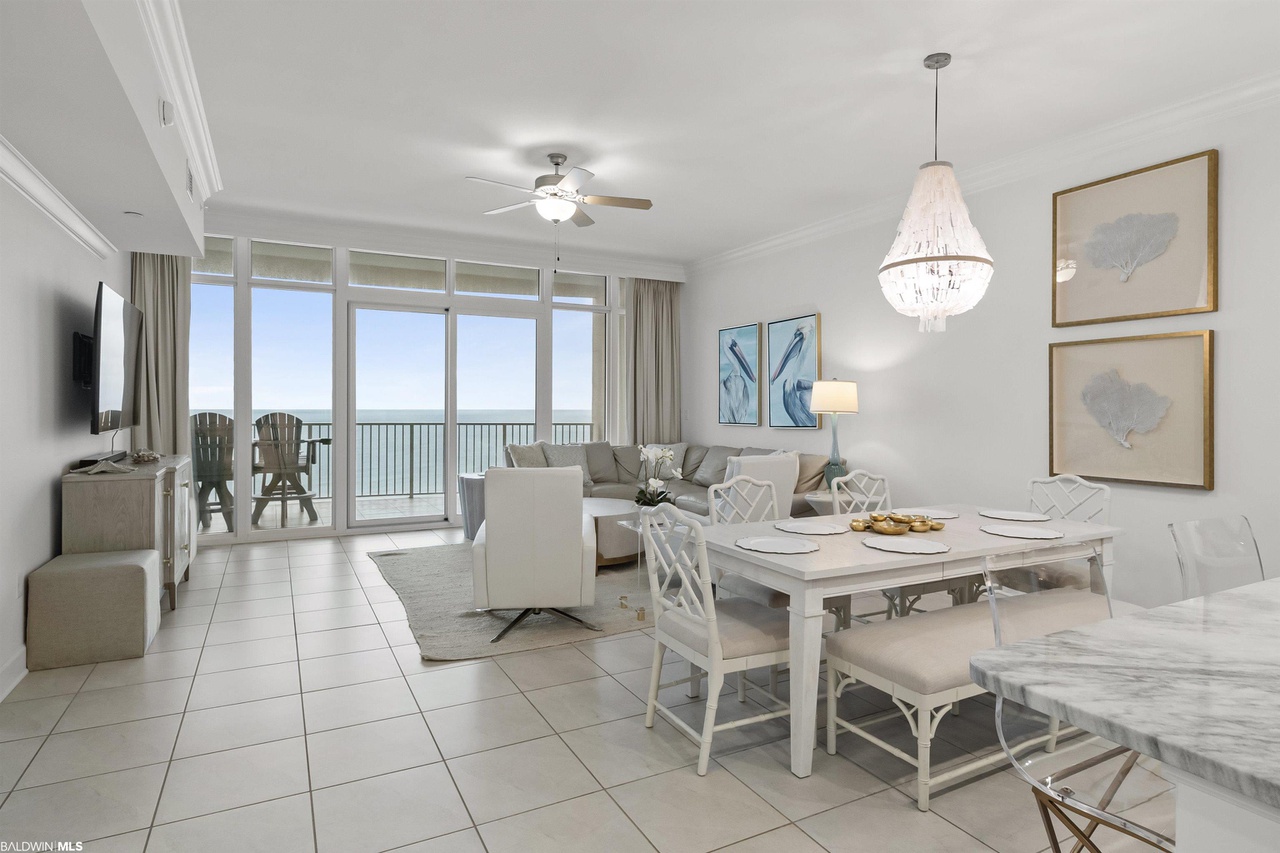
(740,120)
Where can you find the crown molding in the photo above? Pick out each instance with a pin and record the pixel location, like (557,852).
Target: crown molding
(1245,96)
(162,20)
(267,224)
(27,180)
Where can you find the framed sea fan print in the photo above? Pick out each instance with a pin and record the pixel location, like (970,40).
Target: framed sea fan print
(794,364)
(739,377)
(1141,244)
(1135,410)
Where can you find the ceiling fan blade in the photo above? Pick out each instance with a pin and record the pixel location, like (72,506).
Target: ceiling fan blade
(499,183)
(511,206)
(574,179)
(618,201)
(581,219)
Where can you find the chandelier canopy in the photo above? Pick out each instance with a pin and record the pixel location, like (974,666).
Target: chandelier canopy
(938,265)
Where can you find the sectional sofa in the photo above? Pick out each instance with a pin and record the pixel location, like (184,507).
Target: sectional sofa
(614,471)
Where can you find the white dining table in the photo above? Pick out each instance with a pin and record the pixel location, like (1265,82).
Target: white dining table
(844,565)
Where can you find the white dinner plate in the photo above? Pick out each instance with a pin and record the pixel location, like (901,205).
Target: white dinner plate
(905,545)
(1013,515)
(812,527)
(1020,531)
(931,511)
(777,545)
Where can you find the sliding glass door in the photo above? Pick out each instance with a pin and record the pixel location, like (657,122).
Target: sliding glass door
(398,438)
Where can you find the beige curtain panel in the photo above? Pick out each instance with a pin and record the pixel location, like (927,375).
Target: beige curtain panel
(162,292)
(654,354)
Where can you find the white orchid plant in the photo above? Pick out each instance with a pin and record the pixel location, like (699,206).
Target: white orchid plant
(654,490)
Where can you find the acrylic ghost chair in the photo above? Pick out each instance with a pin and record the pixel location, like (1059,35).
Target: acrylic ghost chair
(1085,786)
(716,637)
(1216,554)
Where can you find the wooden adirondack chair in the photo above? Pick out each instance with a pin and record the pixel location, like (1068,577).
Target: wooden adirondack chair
(212,460)
(282,455)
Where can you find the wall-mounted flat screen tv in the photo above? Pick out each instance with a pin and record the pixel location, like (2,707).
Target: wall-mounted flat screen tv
(108,363)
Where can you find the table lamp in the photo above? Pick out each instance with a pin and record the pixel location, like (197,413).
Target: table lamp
(834,397)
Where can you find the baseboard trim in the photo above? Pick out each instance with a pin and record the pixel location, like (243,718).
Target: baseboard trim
(13,671)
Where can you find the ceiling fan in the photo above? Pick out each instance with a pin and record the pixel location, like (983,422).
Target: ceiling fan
(558,196)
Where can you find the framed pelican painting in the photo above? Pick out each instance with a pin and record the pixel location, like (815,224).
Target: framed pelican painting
(740,375)
(795,362)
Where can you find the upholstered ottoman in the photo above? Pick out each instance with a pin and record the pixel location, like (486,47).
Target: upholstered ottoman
(85,608)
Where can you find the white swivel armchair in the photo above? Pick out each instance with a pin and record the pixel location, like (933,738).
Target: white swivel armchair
(535,551)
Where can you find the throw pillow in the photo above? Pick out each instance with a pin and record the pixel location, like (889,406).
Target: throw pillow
(693,460)
(813,469)
(713,466)
(628,458)
(527,455)
(666,468)
(600,462)
(568,456)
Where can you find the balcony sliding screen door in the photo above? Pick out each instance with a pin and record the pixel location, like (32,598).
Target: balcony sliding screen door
(398,442)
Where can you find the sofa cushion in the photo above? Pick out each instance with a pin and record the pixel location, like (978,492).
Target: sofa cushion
(568,456)
(756,451)
(813,470)
(527,455)
(693,460)
(712,469)
(621,491)
(666,469)
(695,504)
(628,459)
(600,462)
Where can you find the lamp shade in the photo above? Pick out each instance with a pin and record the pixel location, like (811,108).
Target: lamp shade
(938,264)
(834,397)
(555,209)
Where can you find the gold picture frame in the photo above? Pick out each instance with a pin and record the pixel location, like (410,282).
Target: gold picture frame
(1106,422)
(1138,245)
(794,356)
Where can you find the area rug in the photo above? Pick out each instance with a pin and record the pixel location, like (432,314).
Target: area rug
(434,584)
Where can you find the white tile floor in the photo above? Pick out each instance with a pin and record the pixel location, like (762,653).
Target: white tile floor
(284,706)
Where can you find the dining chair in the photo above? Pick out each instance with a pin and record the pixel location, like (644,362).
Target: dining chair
(860,491)
(715,637)
(922,663)
(742,500)
(1081,784)
(1216,554)
(1069,497)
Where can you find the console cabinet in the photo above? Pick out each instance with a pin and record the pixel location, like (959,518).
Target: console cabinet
(150,508)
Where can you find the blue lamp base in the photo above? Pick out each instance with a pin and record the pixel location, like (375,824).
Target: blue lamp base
(834,467)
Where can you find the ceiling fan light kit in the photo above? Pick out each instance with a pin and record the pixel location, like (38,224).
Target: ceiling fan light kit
(938,265)
(557,197)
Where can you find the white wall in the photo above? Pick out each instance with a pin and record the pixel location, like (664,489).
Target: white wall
(962,416)
(48,282)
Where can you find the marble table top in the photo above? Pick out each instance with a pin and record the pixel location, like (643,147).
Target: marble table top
(1194,684)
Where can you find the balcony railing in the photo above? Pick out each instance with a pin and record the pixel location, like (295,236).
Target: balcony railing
(407,459)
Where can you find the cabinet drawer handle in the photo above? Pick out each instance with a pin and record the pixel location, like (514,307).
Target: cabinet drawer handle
(187,484)
(168,493)
(186,547)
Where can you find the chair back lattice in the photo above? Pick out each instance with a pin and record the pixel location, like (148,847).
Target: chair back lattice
(282,444)
(679,571)
(1216,554)
(741,500)
(860,491)
(1069,497)
(212,446)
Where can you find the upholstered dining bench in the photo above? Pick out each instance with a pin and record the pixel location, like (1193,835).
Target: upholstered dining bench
(922,662)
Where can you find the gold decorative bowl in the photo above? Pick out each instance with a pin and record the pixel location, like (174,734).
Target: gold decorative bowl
(889,528)
(895,524)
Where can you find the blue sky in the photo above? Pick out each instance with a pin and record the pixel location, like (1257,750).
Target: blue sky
(400,356)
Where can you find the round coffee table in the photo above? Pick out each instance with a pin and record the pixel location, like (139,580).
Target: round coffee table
(820,501)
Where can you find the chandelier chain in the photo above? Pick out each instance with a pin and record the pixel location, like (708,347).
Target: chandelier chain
(935,113)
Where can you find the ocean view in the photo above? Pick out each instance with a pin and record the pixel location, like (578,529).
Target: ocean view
(401,451)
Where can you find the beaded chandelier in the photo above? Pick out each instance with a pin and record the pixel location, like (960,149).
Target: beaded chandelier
(938,265)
